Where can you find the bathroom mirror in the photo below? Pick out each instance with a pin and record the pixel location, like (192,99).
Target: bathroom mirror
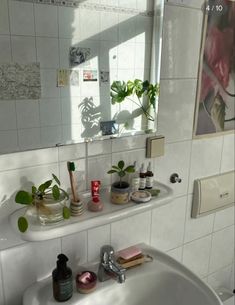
(58,60)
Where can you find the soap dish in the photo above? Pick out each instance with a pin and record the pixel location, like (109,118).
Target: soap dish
(141,196)
(88,284)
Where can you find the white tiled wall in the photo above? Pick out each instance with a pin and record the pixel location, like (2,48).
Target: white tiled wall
(205,245)
(44,33)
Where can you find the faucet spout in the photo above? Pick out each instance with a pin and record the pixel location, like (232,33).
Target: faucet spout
(108,268)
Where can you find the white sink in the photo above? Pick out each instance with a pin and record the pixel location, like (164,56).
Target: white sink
(163,281)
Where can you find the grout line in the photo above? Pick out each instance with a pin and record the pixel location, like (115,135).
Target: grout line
(222,150)
(2,280)
(181,5)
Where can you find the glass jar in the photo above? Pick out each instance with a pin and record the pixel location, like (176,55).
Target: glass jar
(50,211)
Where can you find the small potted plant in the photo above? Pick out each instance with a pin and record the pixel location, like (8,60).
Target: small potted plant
(120,189)
(49,200)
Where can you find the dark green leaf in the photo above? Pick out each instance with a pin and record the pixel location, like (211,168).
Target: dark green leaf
(112,171)
(130,169)
(65,193)
(115,167)
(22,224)
(121,174)
(121,164)
(56,179)
(34,190)
(55,192)
(23,197)
(44,186)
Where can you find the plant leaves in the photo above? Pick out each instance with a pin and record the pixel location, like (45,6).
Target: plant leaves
(121,173)
(44,186)
(121,164)
(115,167)
(34,190)
(23,197)
(119,91)
(65,193)
(112,171)
(130,169)
(22,224)
(56,179)
(66,212)
(55,192)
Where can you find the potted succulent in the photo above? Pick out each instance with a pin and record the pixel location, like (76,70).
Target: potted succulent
(143,93)
(49,200)
(120,189)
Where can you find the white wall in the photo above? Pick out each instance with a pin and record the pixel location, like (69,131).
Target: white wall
(205,245)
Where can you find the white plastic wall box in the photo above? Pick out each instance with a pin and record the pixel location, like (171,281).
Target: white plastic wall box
(213,193)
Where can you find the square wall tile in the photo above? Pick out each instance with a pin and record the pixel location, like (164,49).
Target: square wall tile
(9,141)
(72,152)
(227,162)
(175,160)
(97,169)
(176,253)
(222,251)
(143,29)
(29,138)
(7,115)
(97,237)
(46,23)
(126,56)
(196,255)
(23,49)
(126,28)
(79,173)
(47,107)
(28,158)
(109,26)
(28,257)
(69,22)
(51,135)
(49,87)
(27,113)
(197,227)
(220,278)
(177,37)
(167,230)
(4,20)
(205,159)
(5,48)
(90,24)
(21,18)
(75,248)
(224,218)
(99,147)
(131,231)
(128,143)
(48,52)
(179,97)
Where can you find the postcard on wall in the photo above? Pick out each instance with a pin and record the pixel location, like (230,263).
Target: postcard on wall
(104,76)
(90,75)
(215,107)
(62,77)
(78,55)
(74,78)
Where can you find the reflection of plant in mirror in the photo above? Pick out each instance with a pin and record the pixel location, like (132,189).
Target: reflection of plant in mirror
(121,90)
(121,171)
(38,197)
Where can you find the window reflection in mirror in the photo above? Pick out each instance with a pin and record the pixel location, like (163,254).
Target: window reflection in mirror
(81,50)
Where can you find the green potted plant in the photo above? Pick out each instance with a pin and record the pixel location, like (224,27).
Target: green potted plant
(49,200)
(120,189)
(143,94)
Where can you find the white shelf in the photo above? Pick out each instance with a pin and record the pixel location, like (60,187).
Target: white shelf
(88,220)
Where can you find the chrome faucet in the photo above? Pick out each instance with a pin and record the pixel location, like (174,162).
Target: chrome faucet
(108,268)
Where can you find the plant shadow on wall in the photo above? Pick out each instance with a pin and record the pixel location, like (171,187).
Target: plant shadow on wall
(95,58)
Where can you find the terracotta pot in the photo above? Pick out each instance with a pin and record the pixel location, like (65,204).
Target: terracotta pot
(120,193)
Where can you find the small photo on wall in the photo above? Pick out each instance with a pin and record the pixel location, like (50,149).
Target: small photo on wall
(90,75)
(78,55)
(104,76)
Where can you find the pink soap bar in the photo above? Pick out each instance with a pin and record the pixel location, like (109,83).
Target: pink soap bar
(85,278)
(130,252)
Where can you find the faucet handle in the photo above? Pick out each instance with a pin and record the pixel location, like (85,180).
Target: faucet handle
(106,253)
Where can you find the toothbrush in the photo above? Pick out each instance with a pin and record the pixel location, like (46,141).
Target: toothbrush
(71,169)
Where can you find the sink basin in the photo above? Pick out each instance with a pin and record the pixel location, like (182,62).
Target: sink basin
(163,281)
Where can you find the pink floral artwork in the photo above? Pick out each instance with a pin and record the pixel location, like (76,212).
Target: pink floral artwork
(215,110)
